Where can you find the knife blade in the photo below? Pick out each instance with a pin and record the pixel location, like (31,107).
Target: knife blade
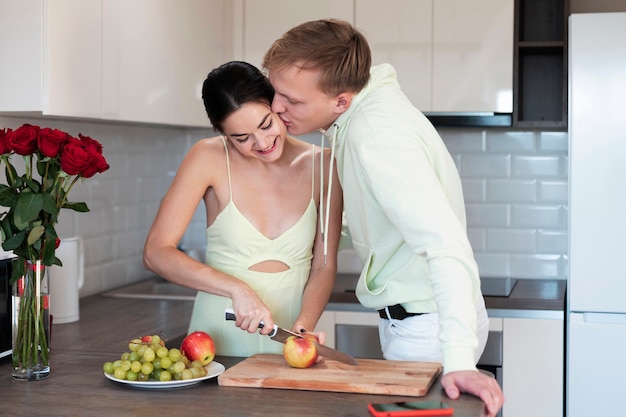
(279,334)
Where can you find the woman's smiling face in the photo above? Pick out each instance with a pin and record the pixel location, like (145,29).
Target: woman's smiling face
(256,131)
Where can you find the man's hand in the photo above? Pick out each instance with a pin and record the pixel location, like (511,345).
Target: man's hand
(475,383)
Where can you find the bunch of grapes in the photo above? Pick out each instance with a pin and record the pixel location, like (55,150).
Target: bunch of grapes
(149,359)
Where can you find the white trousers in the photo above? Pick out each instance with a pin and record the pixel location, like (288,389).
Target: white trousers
(416,338)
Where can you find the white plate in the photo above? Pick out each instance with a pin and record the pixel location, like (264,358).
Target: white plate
(213,369)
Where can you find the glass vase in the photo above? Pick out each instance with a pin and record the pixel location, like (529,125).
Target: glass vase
(31,324)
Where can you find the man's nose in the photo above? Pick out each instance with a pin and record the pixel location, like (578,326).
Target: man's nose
(277,104)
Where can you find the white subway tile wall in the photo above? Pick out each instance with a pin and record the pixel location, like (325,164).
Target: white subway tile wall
(515,186)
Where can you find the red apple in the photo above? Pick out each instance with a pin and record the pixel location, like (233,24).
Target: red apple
(300,352)
(198,346)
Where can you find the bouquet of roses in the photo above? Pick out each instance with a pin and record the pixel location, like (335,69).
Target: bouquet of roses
(53,162)
(59,160)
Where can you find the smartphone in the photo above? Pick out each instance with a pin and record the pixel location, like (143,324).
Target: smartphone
(411,409)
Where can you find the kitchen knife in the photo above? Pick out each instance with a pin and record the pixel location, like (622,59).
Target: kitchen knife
(279,334)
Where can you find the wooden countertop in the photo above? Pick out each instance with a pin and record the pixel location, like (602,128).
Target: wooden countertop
(77,386)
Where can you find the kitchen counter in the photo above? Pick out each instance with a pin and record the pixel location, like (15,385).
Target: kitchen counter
(528,296)
(77,386)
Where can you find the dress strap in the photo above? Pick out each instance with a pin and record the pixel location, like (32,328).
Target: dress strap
(230,188)
(313,171)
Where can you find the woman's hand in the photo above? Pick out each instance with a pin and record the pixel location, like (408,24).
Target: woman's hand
(250,311)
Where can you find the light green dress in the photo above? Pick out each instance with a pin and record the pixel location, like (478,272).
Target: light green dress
(233,246)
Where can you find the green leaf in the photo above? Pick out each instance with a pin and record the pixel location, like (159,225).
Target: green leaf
(27,209)
(35,234)
(8,196)
(32,184)
(18,270)
(14,241)
(80,207)
(10,174)
(49,204)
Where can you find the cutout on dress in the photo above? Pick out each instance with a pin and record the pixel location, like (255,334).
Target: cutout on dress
(270,266)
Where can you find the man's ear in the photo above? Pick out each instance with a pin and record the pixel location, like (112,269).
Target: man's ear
(343,102)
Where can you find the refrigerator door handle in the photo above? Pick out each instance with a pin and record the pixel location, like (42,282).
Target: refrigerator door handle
(598,318)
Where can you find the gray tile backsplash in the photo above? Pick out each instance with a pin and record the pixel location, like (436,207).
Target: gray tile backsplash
(515,186)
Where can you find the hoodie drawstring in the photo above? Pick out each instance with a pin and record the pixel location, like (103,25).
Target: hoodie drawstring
(325,214)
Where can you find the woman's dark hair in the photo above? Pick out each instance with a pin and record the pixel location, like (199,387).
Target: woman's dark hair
(230,86)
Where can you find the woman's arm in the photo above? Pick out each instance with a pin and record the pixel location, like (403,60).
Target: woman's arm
(161,255)
(322,276)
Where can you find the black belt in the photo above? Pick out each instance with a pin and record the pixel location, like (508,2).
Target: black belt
(396,312)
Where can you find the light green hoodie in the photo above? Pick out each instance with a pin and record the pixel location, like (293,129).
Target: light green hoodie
(404,208)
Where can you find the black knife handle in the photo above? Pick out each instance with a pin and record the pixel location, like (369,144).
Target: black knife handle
(229,314)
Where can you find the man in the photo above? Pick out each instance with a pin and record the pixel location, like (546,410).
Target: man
(403,200)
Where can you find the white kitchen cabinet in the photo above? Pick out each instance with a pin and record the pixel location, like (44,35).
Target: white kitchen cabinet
(450,55)
(157,53)
(532,368)
(133,61)
(401,33)
(473,56)
(51,53)
(264,21)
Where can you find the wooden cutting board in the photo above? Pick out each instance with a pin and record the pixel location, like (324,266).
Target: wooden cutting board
(371,376)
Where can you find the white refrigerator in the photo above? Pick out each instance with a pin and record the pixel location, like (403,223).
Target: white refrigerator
(596,332)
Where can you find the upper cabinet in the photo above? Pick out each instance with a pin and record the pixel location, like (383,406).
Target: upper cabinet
(156,55)
(140,61)
(51,53)
(541,64)
(401,33)
(450,55)
(262,22)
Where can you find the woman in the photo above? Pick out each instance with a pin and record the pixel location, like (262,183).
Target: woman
(267,256)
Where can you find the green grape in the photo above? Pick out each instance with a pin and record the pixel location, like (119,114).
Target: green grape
(178,376)
(196,372)
(166,362)
(149,355)
(117,363)
(156,339)
(143,377)
(142,349)
(196,364)
(147,368)
(125,356)
(157,363)
(134,344)
(174,354)
(177,367)
(131,375)
(119,373)
(134,356)
(156,374)
(165,376)
(108,368)
(125,365)
(186,374)
(135,366)
(162,351)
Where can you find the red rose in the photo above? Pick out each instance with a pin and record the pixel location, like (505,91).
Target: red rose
(23,141)
(91,143)
(51,141)
(74,157)
(4,146)
(97,164)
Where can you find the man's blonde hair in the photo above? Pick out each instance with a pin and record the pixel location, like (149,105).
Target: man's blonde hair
(334,47)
